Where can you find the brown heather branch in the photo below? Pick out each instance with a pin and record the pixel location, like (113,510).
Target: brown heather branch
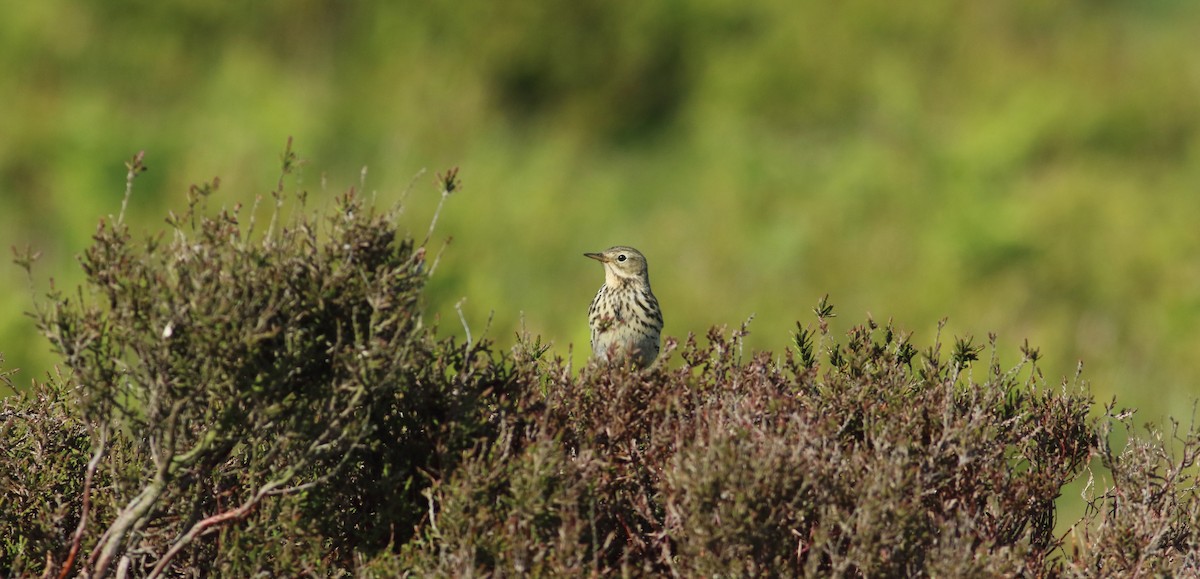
(77,538)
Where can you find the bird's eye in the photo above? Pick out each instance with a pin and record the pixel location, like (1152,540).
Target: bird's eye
(621,257)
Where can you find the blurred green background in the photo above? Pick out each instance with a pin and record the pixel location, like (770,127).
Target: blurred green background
(1028,168)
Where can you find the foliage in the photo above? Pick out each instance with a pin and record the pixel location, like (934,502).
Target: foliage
(250,376)
(877,465)
(242,401)
(1147,522)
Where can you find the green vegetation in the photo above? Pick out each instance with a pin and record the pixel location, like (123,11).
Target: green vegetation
(245,397)
(1023,168)
(1027,168)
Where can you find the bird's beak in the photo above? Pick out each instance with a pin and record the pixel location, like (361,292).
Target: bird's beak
(597,256)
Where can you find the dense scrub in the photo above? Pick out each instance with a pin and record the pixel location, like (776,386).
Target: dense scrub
(239,400)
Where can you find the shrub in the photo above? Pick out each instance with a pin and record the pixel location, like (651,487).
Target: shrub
(1147,523)
(282,398)
(878,463)
(241,401)
(44,448)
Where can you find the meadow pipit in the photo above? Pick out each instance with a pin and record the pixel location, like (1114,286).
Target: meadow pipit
(624,316)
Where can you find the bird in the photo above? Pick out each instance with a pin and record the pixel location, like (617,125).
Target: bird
(624,317)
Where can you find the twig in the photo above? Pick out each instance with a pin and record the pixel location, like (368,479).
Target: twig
(450,183)
(438,258)
(201,526)
(83,515)
(463,319)
(135,167)
(399,207)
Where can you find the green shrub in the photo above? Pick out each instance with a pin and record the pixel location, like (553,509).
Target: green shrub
(243,400)
(44,448)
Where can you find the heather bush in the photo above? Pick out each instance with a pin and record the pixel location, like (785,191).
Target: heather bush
(276,400)
(878,462)
(1146,523)
(247,399)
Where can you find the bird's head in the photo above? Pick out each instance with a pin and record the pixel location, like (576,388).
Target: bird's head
(622,265)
